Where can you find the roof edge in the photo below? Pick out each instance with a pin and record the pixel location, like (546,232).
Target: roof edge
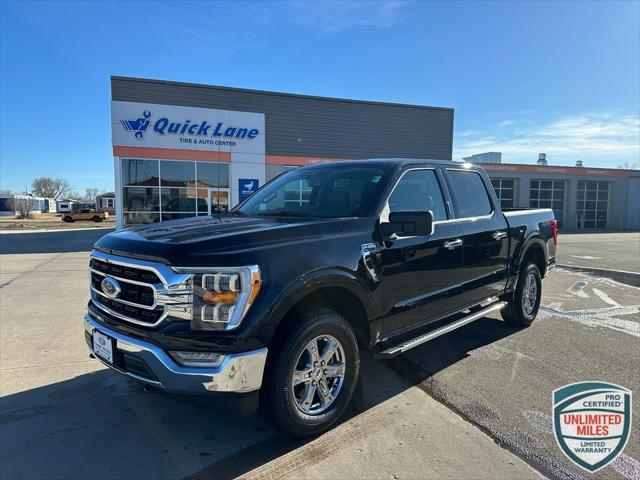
(273,93)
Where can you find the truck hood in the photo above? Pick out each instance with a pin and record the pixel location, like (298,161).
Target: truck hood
(221,239)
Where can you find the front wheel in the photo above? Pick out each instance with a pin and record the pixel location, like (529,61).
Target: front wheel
(523,307)
(68,219)
(313,376)
(97,219)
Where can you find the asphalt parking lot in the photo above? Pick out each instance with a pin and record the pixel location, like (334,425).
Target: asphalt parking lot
(475,403)
(616,251)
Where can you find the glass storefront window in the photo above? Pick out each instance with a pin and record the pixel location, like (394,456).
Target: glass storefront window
(140,218)
(138,199)
(177,174)
(139,172)
(172,189)
(178,200)
(213,174)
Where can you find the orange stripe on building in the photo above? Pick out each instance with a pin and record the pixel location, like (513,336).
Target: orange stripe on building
(171,154)
(291,160)
(549,169)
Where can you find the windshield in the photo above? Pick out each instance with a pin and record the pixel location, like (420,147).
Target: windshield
(331,192)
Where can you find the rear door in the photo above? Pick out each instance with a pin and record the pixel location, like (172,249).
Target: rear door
(484,235)
(420,275)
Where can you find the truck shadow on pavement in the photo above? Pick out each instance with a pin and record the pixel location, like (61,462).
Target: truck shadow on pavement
(51,242)
(101,424)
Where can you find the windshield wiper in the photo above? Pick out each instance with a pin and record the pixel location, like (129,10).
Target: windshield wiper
(238,213)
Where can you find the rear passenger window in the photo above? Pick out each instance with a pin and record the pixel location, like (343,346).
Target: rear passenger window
(417,191)
(470,195)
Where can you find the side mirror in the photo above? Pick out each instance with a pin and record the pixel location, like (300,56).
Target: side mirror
(406,224)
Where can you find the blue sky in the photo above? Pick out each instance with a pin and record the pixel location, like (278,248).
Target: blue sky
(561,78)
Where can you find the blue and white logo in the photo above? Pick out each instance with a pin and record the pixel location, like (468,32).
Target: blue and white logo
(139,125)
(247,187)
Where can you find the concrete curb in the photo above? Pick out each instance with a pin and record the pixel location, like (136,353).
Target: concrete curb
(54,230)
(622,276)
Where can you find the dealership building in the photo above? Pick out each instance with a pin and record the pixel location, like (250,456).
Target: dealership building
(182,150)
(582,198)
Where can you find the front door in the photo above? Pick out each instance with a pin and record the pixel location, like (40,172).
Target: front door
(420,275)
(218,201)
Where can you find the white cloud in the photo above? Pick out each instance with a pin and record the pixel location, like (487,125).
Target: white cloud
(576,136)
(334,16)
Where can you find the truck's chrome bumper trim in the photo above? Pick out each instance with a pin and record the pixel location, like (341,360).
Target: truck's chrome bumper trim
(238,372)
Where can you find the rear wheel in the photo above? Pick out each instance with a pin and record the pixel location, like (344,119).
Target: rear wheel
(523,307)
(97,219)
(67,219)
(312,378)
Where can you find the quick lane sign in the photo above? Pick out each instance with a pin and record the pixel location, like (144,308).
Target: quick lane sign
(169,126)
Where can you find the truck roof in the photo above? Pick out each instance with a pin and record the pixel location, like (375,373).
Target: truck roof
(387,161)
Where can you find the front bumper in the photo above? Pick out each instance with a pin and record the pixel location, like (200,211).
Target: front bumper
(148,363)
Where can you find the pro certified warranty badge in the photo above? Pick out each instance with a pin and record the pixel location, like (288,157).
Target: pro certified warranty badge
(591,422)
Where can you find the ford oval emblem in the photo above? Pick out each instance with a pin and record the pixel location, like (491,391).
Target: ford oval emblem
(110,287)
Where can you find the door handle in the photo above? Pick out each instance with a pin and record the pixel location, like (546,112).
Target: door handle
(499,235)
(451,244)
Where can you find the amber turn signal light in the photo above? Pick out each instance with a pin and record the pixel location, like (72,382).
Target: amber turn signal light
(227,298)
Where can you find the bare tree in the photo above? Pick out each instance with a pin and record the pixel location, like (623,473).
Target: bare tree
(92,193)
(49,187)
(22,205)
(628,166)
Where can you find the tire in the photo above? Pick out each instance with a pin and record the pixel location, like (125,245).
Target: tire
(68,219)
(522,309)
(97,219)
(282,403)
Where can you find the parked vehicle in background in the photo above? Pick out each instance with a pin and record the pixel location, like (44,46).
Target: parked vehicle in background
(84,211)
(272,302)
(63,205)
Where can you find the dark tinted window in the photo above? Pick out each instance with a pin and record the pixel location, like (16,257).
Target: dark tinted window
(471,198)
(140,172)
(213,174)
(418,191)
(329,191)
(177,174)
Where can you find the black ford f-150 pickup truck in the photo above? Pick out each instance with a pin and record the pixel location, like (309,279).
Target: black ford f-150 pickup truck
(271,303)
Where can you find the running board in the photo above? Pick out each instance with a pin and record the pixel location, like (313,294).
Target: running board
(414,342)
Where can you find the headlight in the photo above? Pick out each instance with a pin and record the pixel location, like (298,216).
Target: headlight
(222,297)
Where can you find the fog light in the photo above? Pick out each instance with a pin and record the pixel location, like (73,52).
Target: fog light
(198,359)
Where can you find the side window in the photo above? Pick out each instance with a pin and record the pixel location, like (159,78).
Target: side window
(417,191)
(471,198)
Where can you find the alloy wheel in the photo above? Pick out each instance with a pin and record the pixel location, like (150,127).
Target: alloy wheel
(529,294)
(318,375)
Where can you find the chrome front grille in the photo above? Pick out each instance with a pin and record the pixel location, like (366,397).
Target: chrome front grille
(133,293)
(149,292)
(124,271)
